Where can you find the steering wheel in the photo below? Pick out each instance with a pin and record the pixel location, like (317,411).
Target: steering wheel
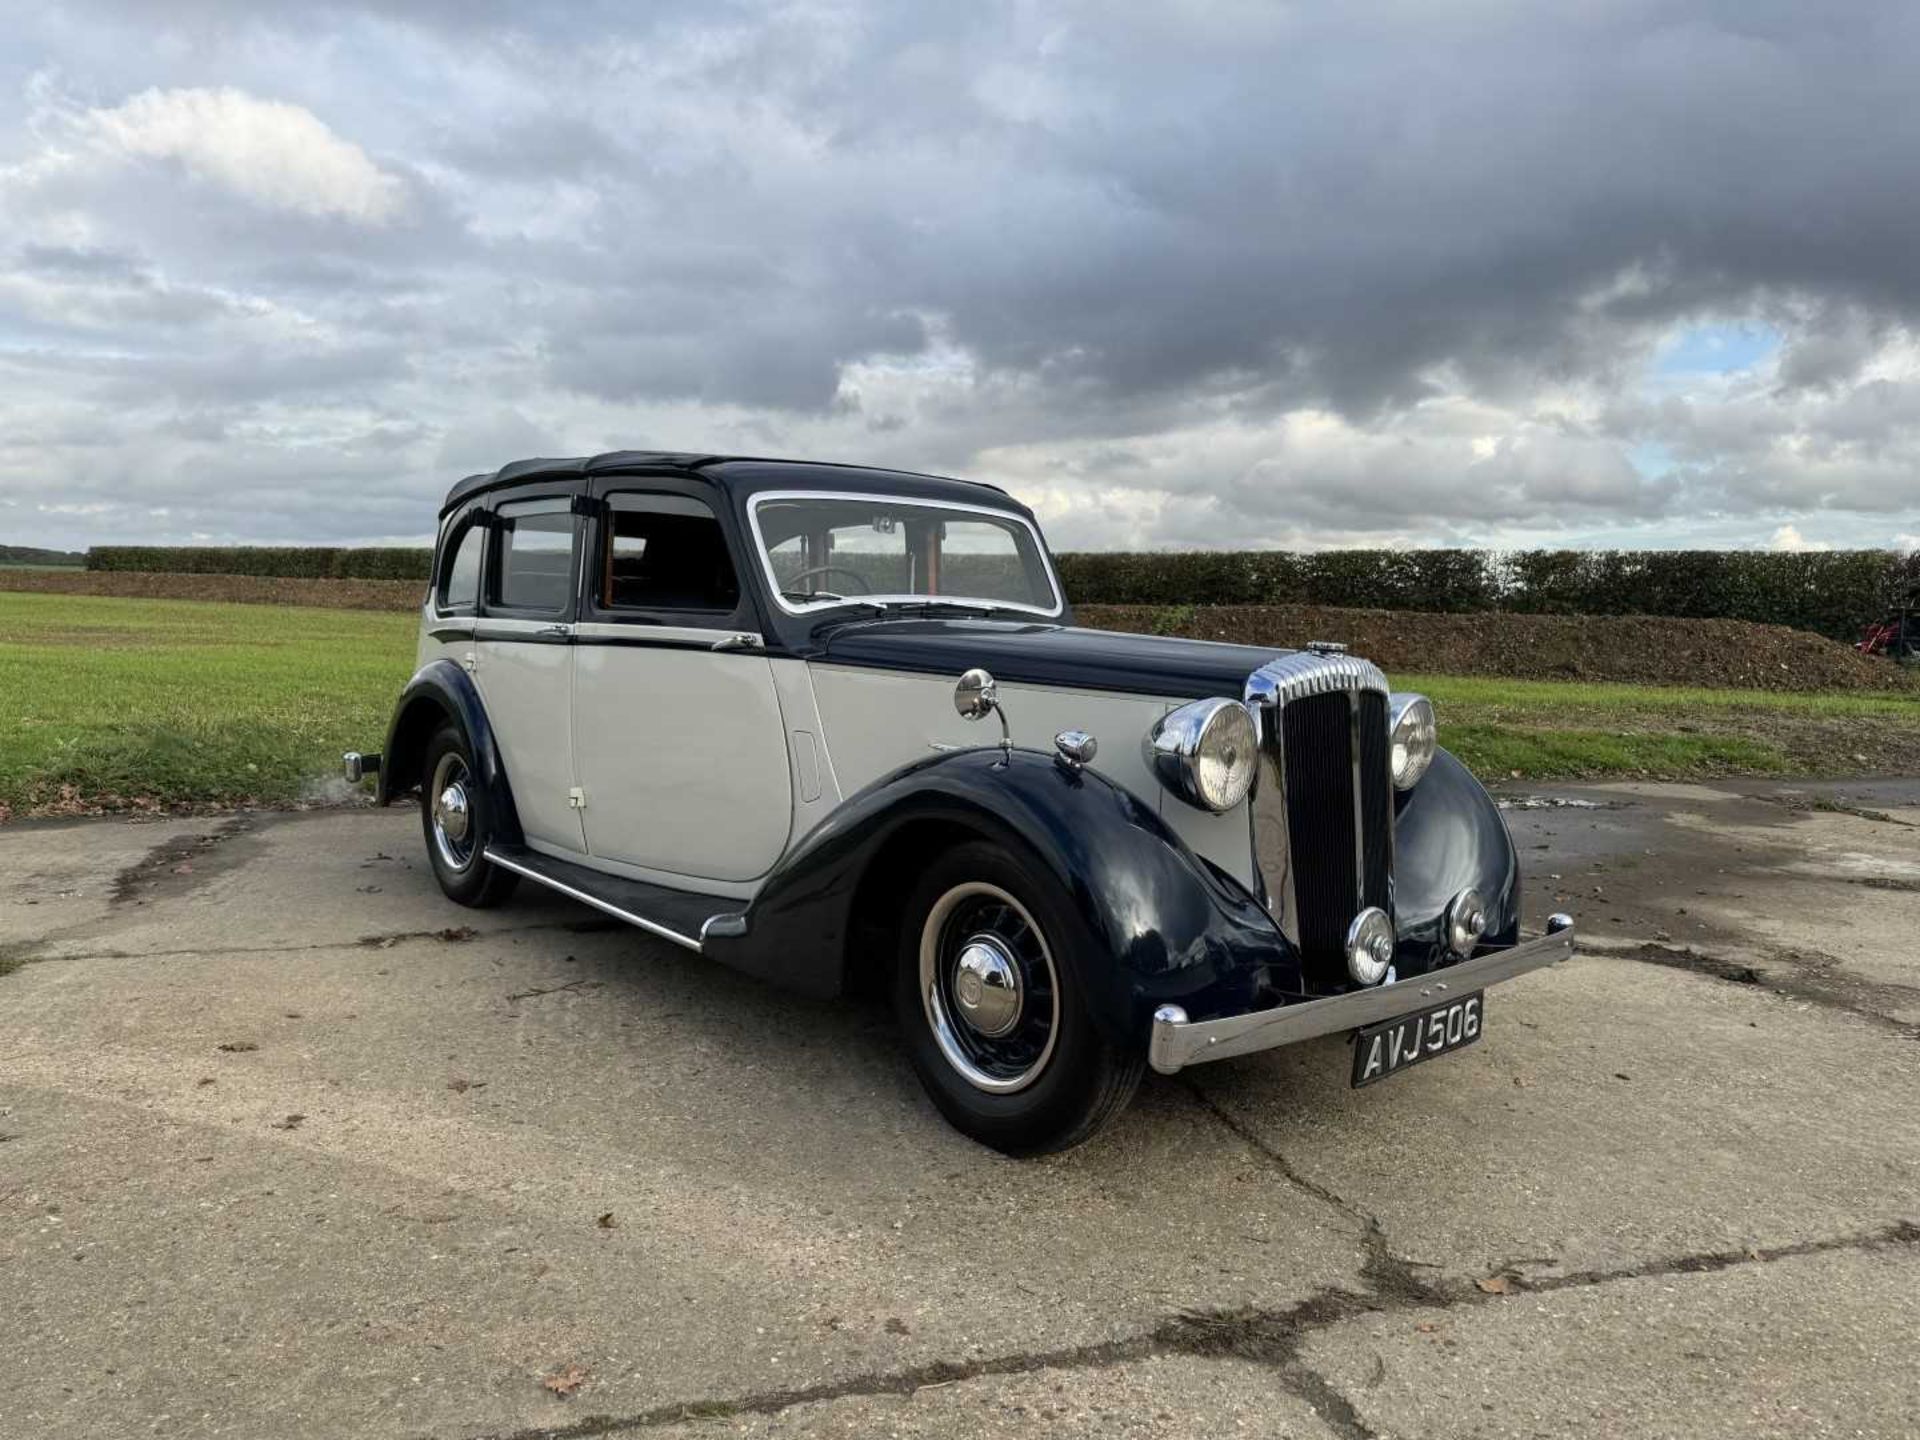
(865,588)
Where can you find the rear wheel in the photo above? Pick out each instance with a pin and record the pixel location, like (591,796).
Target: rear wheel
(458,823)
(992,1014)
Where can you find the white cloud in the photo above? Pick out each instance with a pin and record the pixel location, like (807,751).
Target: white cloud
(1788,537)
(275,154)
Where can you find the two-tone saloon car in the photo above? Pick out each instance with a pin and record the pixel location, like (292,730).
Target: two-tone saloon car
(836,727)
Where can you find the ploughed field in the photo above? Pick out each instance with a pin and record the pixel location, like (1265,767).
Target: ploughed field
(132,701)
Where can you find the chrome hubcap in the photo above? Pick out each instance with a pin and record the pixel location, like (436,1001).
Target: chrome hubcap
(986,986)
(989,988)
(452,813)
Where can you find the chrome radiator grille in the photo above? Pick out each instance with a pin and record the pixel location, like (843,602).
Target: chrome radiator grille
(1323,808)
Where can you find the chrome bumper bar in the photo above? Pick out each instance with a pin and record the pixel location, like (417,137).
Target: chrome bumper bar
(1179,1042)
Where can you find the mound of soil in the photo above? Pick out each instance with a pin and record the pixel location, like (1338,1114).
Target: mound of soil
(239,589)
(1627,649)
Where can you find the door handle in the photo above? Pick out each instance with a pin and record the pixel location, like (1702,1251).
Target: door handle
(741,641)
(557,632)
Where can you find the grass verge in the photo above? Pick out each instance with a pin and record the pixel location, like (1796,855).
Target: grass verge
(1538,729)
(140,703)
(134,703)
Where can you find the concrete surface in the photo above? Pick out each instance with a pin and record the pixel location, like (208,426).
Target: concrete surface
(290,1145)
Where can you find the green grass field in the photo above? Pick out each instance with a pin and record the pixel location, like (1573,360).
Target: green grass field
(117,702)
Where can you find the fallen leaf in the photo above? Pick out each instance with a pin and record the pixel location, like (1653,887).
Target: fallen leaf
(1426,1327)
(605,1222)
(238,1047)
(454,934)
(204,1080)
(1501,1284)
(460,1087)
(567,1379)
(292,1122)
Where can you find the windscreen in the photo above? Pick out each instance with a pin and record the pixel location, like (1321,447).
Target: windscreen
(825,550)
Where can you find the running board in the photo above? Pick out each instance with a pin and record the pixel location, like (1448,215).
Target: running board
(685,917)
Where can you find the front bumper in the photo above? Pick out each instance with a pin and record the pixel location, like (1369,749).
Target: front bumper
(1179,1042)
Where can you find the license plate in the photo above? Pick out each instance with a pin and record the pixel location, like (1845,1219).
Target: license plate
(1391,1046)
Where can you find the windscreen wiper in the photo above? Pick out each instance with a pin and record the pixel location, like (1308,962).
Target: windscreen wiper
(807,596)
(970,607)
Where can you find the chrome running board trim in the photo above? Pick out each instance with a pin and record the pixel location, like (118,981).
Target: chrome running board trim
(652,927)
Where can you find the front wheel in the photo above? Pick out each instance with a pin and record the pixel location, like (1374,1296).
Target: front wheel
(458,822)
(992,1012)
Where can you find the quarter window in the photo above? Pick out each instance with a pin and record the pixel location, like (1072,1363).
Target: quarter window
(460,575)
(665,552)
(535,546)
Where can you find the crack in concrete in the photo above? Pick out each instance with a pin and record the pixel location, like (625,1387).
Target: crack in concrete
(1269,1337)
(24,952)
(1385,1272)
(1803,975)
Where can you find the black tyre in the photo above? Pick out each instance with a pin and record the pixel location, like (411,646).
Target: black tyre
(991,1011)
(458,823)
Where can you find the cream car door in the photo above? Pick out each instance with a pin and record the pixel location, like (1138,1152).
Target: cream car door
(523,663)
(678,739)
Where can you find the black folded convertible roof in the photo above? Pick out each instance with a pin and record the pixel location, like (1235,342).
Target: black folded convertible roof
(734,471)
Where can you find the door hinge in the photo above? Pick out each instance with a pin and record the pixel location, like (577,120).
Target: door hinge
(576,798)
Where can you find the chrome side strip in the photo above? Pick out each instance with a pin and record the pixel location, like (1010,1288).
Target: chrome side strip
(1179,1042)
(652,927)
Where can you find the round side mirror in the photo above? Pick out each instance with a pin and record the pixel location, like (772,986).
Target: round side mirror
(976,695)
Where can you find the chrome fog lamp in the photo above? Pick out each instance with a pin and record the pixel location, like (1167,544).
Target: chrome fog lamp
(1466,922)
(1206,753)
(1415,737)
(1370,942)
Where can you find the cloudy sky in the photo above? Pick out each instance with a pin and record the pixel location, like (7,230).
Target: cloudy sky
(1626,272)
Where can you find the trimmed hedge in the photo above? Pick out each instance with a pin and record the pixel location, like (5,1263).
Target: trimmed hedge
(1835,592)
(302,562)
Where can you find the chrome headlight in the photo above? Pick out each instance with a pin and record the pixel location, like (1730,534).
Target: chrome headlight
(1206,753)
(1415,738)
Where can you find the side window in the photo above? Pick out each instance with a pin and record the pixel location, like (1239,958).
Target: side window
(533,568)
(665,552)
(460,570)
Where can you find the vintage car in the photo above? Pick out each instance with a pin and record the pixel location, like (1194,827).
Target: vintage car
(836,727)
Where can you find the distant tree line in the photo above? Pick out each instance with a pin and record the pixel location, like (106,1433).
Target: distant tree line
(302,562)
(1834,592)
(34,555)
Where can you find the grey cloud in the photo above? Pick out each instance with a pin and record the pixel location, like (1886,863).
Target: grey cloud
(1071,234)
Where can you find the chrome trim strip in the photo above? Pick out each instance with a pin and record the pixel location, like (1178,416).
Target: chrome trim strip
(1359,804)
(1300,674)
(1285,678)
(641,633)
(773,583)
(652,927)
(1178,1042)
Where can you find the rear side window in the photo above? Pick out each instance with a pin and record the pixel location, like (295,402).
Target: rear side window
(665,552)
(535,549)
(460,571)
